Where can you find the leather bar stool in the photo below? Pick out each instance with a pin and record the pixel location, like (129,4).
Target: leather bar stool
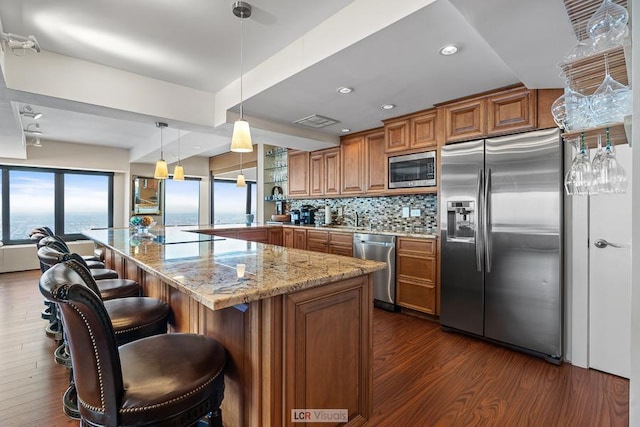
(58,243)
(163,380)
(51,253)
(132,318)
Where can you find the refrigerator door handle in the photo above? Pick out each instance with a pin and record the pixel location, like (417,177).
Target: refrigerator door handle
(487,221)
(477,232)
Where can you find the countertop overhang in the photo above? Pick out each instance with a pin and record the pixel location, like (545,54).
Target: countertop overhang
(207,268)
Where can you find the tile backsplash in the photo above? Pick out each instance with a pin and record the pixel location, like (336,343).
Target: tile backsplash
(380,213)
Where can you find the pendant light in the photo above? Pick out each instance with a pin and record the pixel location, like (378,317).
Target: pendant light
(240,182)
(241,138)
(162,172)
(178,171)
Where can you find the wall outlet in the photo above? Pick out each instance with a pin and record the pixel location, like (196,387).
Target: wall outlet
(415,212)
(405,212)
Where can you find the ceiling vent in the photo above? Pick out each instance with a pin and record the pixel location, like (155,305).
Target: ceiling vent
(316,121)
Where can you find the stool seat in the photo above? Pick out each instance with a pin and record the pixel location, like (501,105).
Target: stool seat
(138,317)
(154,389)
(93,264)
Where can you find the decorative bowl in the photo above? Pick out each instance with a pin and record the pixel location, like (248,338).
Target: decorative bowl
(281,218)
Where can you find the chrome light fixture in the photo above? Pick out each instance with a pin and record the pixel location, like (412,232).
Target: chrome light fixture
(28,112)
(241,138)
(240,181)
(19,44)
(178,171)
(162,172)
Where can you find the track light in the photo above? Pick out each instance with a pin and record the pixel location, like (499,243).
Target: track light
(28,112)
(19,44)
(35,131)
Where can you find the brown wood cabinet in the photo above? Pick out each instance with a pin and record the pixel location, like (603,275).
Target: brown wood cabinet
(298,165)
(352,165)
(275,236)
(324,172)
(318,241)
(416,274)
(411,133)
(396,133)
(375,162)
(320,327)
(340,243)
(465,120)
(511,111)
(299,238)
(287,237)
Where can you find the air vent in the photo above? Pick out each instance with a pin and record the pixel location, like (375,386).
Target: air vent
(315,121)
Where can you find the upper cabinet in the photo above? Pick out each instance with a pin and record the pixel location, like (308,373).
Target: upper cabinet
(375,162)
(324,172)
(298,162)
(501,112)
(352,165)
(409,133)
(511,111)
(465,120)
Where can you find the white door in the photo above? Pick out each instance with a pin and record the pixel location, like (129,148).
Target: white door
(610,277)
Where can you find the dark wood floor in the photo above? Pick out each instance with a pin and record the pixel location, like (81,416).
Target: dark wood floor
(422,376)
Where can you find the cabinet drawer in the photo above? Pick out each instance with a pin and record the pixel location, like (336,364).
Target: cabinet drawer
(316,246)
(417,296)
(318,235)
(417,267)
(427,247)
(336,238)
(341,250)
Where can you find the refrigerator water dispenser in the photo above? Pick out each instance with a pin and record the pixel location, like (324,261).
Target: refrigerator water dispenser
(460,221)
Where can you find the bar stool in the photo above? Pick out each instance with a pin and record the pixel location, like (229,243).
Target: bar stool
(132,318)
(58,243)
(163,380)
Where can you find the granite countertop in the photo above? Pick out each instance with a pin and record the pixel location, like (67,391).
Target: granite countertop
(206,267)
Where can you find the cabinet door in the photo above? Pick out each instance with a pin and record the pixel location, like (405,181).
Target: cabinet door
(318,241)
(465,120)
(376,163)
(287,238)
(416,274)
(511,110)
(316,174)
(352,160)
(423,130)
(298,163)
(275,236)
(332,171)
(396,135)
(300,239)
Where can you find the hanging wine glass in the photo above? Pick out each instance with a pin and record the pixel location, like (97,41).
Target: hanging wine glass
(581,49)
(579,177)
(607,27)
(596,166)
(612,177)
(611,101)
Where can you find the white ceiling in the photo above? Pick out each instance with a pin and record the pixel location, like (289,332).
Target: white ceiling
(111,68)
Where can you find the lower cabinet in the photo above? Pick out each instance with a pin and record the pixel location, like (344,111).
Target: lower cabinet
(287,237)
(275,236)
(416,274)
(340,243)
(299,238)
(318,241)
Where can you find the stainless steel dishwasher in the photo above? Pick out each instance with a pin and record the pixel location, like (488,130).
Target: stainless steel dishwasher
(378,247)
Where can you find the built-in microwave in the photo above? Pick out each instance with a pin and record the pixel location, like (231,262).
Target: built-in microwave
(413,170)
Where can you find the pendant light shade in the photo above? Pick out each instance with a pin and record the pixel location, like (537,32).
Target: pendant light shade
(241,138)
(240,182)
(162,171)
(178,171)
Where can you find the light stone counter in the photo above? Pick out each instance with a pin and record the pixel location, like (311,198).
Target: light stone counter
(206,267)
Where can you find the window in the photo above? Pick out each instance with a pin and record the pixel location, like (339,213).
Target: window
(65,201)
(181,202)
(231,204)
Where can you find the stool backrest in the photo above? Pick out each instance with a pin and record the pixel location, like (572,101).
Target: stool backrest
(89,333)
(77,264)
(54,241)
(50,256)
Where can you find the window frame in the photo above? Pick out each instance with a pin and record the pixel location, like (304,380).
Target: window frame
(247,207)
(164,198)
(58,192)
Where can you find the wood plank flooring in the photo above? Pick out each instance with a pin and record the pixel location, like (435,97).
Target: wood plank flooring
(422,376)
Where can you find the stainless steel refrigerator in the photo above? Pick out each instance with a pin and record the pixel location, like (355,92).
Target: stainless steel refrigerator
(501,229)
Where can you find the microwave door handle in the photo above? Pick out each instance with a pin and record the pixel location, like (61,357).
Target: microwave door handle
(477,234)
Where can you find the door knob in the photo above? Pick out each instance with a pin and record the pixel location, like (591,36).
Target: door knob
(601,244)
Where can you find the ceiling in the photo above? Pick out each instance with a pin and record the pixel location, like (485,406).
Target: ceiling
(110,69)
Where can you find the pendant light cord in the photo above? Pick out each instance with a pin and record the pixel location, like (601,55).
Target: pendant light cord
(241,64)
(178,147)
(161,145)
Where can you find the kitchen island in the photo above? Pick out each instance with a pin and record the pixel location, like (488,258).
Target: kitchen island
(296,324)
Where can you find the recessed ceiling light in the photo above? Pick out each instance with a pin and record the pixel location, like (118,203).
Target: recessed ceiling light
(387,106)
(345,130)
(449,49)
(344,90)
